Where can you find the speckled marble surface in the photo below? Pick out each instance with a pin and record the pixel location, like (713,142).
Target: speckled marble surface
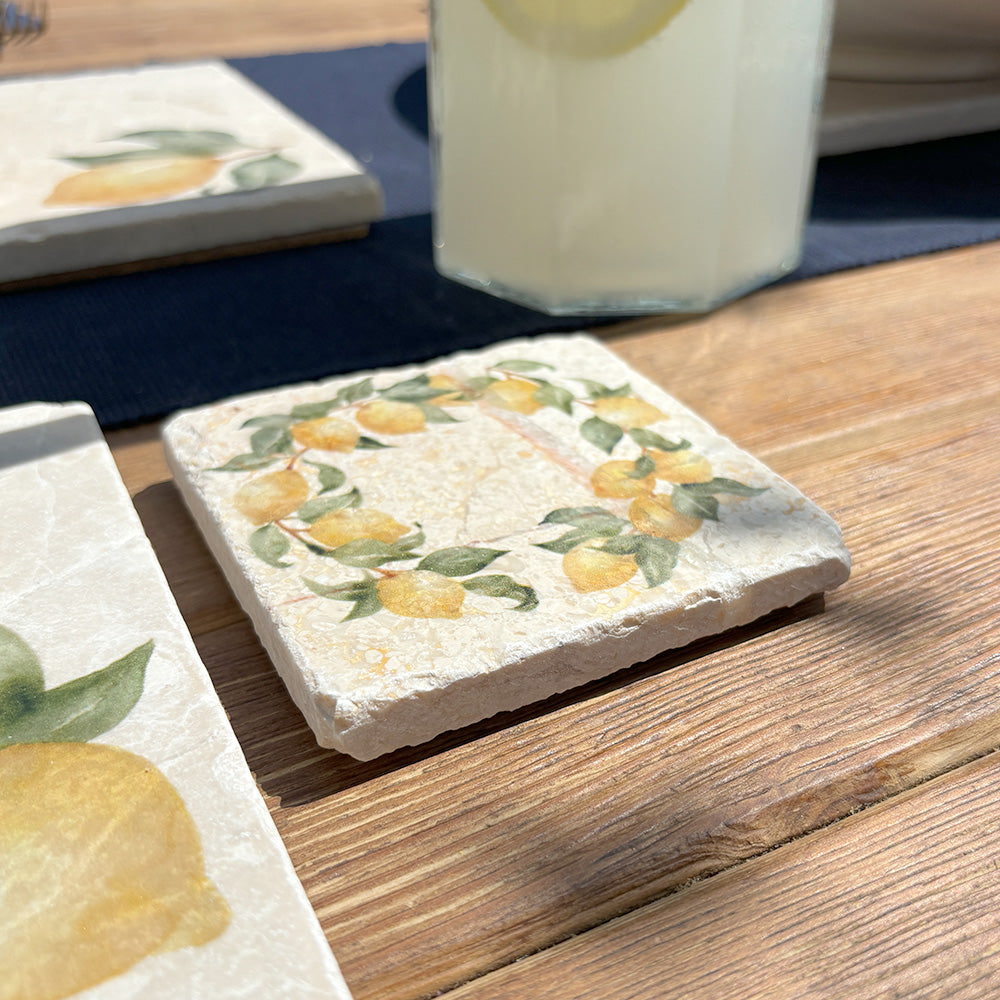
(137,857)
(424,547)
(111,167)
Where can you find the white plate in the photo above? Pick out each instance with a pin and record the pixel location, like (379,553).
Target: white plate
(859,115)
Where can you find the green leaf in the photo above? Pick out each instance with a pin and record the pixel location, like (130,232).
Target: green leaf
(22,683)
(371,444)
(499,585)
(86,707)
(365,606)
(313,510)
(410,542)
(246,463)
(522,366)
(460,560)
(656,557)
(412,390)
(362,593)
(601,433)
(312,411)
(694,504)
(270,544)
(720,485)
(650,439)
(354,392)
(349,591)
(281,420)
(622,545)
(187,142)
(330,477)
(573,538)
(369,553)
(264,172)
(597,519)
(270,440)
(435,415)
(479,383)
(553,395)
(644,465)
(597,390)
(594,390)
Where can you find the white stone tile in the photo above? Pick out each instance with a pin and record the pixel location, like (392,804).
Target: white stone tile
(112,167)
(468,495)
(137,857)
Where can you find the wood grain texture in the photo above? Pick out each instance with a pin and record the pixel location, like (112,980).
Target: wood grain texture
(554,824)
(812,359)
(898,901)
(435,864)
(84,34)
(570,829)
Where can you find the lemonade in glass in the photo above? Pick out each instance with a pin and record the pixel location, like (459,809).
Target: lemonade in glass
(623,156)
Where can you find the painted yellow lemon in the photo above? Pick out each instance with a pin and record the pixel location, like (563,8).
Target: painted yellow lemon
(272,496)
(516,394)
(656,516)
(681,466)
(390,416)
(100,866)
(452,391)
(339,527)
(326,434)
(419,593)
(615,479)
(627,411)
(129,182)
(590,568)
(585,27)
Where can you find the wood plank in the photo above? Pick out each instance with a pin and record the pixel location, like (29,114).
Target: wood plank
(804,360)
(897,901)
(424,872)
(90,33)
(432,865)
(876,392)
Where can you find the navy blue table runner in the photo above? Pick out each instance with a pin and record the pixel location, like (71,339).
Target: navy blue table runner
(139,346)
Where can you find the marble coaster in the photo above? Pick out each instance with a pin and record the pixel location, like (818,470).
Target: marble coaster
(109,168)
(137,857)
(421,548)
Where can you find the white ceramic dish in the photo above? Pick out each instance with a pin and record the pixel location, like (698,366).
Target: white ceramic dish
(916,40)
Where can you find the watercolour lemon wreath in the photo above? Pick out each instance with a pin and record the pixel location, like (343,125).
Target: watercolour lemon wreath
(158,164)
(305,500)
(100,863)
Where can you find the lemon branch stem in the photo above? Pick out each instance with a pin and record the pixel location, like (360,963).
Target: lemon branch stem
(297,533)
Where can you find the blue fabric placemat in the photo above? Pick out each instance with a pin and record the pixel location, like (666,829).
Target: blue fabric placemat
(139,346)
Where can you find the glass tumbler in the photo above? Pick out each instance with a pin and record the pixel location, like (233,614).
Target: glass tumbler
(623,156)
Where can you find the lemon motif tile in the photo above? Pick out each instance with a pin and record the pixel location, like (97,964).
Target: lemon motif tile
(137,856)
(112,167)
(421,548)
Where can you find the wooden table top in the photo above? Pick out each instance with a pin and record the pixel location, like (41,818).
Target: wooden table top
(807,807)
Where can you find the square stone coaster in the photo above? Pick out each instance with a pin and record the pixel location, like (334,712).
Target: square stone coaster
(135,165)
(137,857)
(421,548)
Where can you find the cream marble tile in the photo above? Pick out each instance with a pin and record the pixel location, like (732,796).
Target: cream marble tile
(112,167)
(137,857)
(424,547)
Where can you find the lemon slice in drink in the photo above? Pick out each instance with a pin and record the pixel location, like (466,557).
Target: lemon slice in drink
(585,27)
